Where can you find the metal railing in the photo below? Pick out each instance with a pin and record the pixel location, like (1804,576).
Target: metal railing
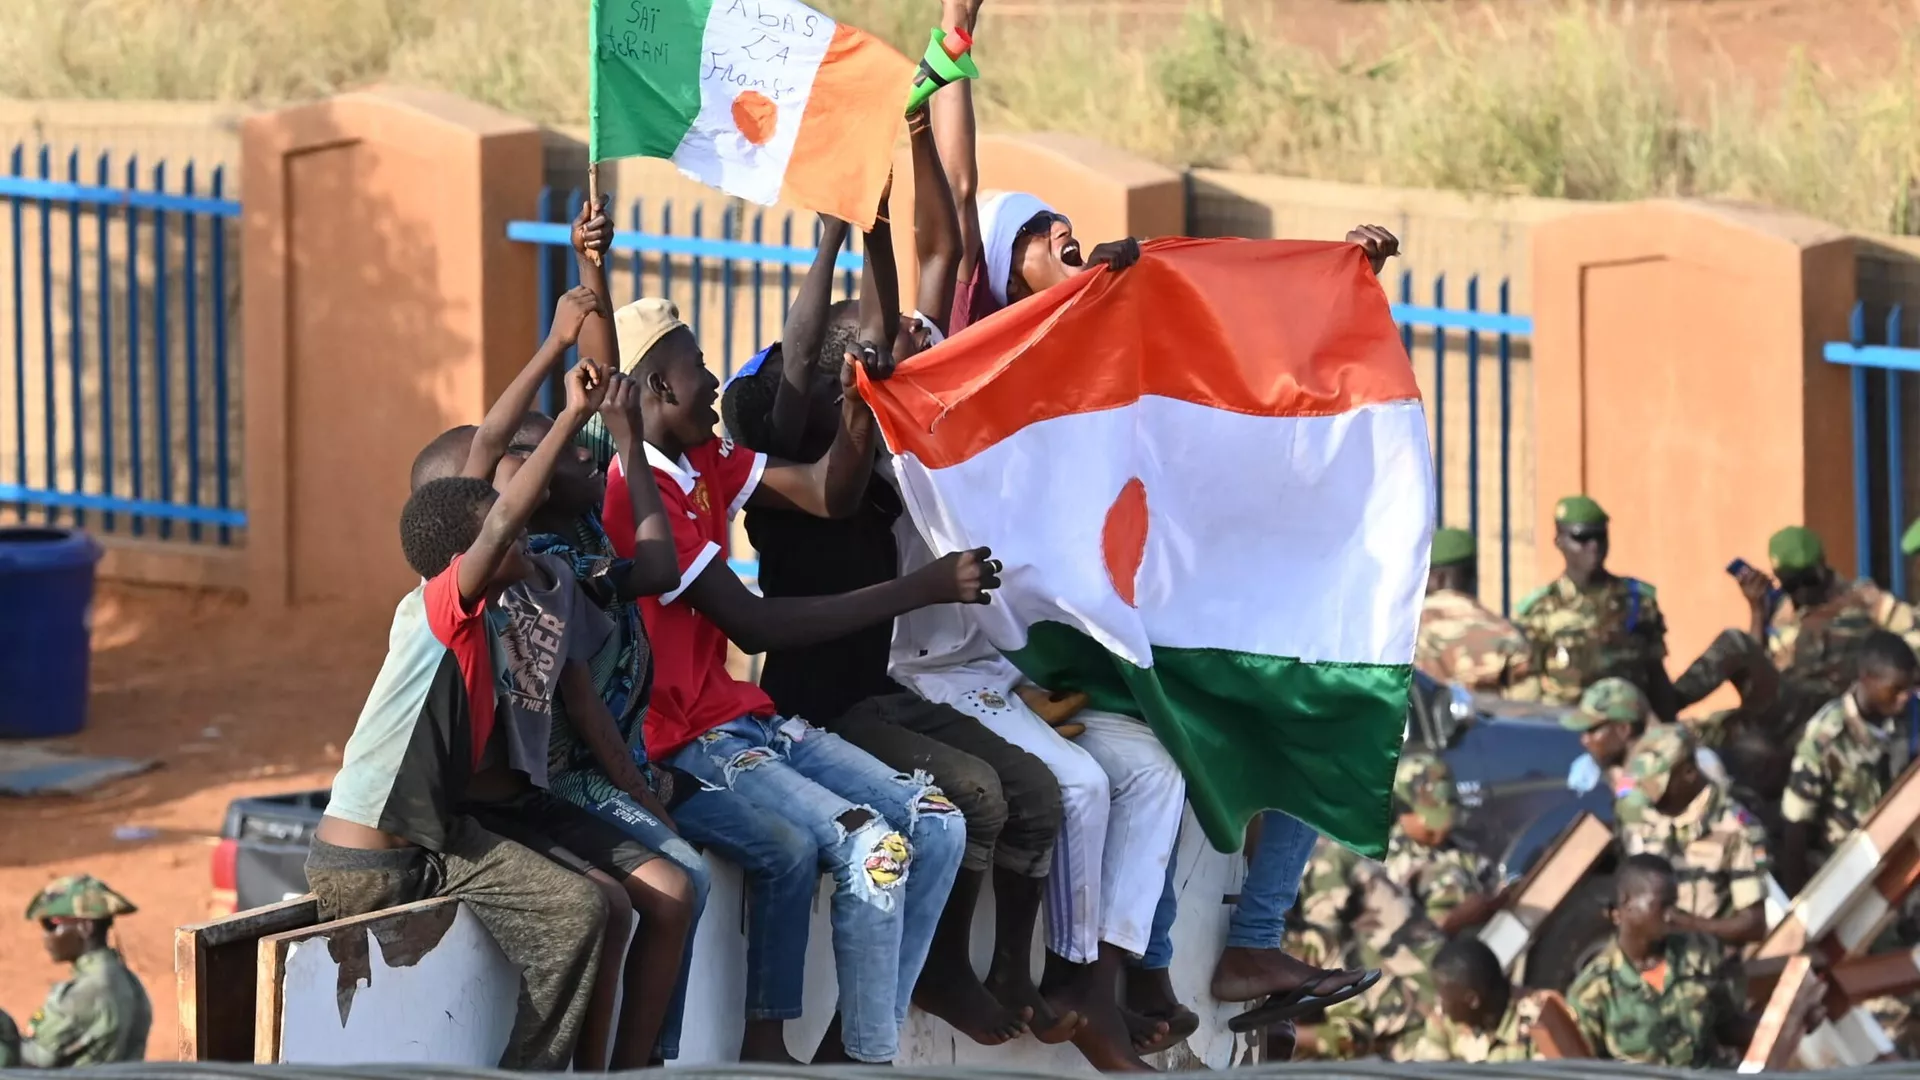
(1878,489)
(117,409)
(734,285)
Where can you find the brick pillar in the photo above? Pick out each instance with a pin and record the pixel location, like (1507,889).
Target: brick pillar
(383,303)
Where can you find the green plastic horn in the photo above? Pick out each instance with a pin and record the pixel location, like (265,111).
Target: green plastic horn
(948,59)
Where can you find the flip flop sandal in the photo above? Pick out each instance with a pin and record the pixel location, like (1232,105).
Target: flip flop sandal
(1299,1002)
(1181,1023)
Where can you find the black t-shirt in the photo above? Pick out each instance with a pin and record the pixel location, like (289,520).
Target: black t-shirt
(802,555)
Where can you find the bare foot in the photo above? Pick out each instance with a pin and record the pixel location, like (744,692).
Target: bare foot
(1150,1034)
(766,1041)
(1249,974)
(1092,990)
(966,1005)
(1017,991)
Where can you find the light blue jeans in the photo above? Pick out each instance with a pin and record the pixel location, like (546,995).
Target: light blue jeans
(891,871)
(1273,882)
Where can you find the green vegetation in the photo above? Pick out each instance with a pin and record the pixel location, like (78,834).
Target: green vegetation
(1576,99)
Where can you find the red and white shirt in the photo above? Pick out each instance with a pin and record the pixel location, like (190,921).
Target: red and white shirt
(693,692)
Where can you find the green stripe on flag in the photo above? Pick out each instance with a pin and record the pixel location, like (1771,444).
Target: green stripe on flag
(1250,732)
(645,87)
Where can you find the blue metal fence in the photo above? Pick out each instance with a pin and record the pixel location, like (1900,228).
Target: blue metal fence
(119,411)
(1879,476)
(727,283)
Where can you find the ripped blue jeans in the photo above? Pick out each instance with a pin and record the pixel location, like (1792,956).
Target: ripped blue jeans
(892,842)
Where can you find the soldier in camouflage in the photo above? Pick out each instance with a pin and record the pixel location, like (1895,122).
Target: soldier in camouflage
(1611,715)
(101,1015)
(1454,887)
(1718,851)
(1461,641)
(1847,759)
(1654,995)
(1588,624)
(1479,1018)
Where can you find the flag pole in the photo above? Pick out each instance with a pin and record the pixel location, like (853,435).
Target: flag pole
(593,200)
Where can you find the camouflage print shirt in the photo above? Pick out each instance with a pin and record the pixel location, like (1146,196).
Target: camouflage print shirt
(1439,878)
(1818,646)
(1718,851)
(1578,637)
(1388,1020)
(1442,1039)
(1841,769)
(1461,641)
(1626,1019)
(1350,908)
(98,1017)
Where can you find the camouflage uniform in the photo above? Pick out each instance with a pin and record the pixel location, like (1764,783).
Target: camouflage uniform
(1577,637)
(1820,647)
(1841,770)
(1439,877)
(1718,851)
(1461,641)
(98,1017)
(1625,1019)
(1510,1040)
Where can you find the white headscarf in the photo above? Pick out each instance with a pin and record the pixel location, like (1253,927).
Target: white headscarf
(1000,221)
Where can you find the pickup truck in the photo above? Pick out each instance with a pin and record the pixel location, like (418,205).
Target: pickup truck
(1509,760)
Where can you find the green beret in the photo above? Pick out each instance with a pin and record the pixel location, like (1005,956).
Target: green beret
(1795,548)
(78,896)
(1453,546)
(1578,510)
(1910,542)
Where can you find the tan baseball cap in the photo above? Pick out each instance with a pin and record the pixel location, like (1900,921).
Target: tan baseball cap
(639,326)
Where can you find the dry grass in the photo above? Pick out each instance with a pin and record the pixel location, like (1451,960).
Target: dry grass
(1573,99)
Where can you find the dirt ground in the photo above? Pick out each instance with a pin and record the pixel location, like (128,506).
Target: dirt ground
(231,704)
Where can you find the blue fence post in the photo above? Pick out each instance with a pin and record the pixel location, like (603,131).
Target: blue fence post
(666,260)
(543,210)
(1473,412)
(51,422)
(75,360)
(786,270)
(759,330)
(639,260)
(1862,494)
(102,219)
(190,314)
(162,396)
(727,232)
(136,474)
(222,463)
(1440,405)
(17,164)
(1506,448)
(697,266)
(1896,474)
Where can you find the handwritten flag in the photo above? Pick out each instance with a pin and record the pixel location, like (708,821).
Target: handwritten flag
(768,100)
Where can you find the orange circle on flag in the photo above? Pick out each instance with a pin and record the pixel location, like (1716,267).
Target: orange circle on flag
(1123,538)
(755,114)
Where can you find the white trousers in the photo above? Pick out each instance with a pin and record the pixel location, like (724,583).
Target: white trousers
(1121,797)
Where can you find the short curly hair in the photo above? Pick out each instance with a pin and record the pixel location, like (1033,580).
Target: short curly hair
(747,405)
(843,334)
(442,519)
(445,456)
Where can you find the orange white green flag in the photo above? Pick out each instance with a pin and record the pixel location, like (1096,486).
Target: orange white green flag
(1208,480)
(767,100)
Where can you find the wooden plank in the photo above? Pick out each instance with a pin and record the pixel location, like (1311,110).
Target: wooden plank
(1558,1033)
(1892,974)
(1777,1038)
(1862,881)
(214,977)
(1510,932)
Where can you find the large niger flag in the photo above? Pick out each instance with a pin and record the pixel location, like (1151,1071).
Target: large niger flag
(768,100)
(1208,480)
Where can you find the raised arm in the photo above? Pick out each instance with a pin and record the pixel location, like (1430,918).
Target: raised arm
(503,419)
(951,111)
(593,233)
(800,339)
(653,569)
(758,624)
(507,519)
(937,238)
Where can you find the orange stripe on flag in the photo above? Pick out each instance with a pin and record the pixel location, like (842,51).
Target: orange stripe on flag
(1262,327)
(844,150)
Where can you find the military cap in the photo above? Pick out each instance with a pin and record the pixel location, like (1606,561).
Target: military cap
(1424,785)
(1578,510)
(78,896)
(1910,540)
(1795,547)
(1612,700)
(1453,546)
(1653,757)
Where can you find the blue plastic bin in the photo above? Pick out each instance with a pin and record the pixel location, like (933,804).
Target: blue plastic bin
(46,612)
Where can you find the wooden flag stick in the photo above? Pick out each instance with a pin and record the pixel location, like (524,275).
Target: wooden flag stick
(593,200)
